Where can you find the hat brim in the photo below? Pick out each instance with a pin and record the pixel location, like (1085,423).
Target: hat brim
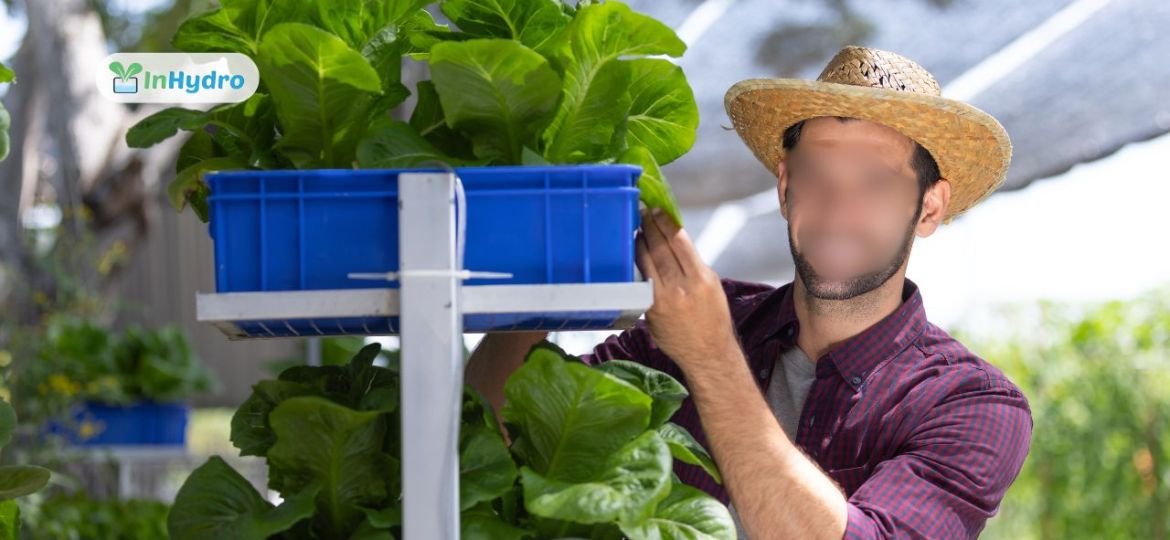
(971,148)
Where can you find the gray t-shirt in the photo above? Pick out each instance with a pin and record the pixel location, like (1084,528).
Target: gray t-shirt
(791,378)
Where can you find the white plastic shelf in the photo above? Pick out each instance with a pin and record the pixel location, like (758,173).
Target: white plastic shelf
(617,304)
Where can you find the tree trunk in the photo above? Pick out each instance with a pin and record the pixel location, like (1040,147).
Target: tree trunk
(68,150)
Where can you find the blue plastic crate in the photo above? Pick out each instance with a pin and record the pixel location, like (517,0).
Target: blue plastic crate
(293,230)
(144,423)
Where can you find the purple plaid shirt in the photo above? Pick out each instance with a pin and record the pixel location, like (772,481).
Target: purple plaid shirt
(923,436)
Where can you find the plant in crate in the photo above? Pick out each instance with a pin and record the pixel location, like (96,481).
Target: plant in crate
(101,388)
(590,456)
(518,82)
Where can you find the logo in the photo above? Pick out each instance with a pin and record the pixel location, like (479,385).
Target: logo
(178,78)
(125,82)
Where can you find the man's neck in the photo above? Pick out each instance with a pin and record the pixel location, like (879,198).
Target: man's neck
(824,324)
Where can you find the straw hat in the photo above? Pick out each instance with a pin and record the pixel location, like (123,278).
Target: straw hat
(971,148)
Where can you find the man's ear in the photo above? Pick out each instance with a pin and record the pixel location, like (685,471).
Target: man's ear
(782,187)
(934,208)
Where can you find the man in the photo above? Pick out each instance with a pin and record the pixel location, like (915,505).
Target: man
(832,407)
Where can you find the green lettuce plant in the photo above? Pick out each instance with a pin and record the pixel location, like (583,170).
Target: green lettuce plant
(79,361)
(77,516)
(6,76)
(590,456)
(516,82)
(15,480)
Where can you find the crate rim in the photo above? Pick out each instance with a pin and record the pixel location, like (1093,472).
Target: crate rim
(501,168)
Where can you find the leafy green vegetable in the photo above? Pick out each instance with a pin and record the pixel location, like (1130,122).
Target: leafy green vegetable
(75,516)
(79,361)
(251,431)
(653,190)
(486,469)
(497,92)
(531,22)
(159,365)
(393,144)
(328,71)
(7,423)
(9,520)
(15,480)
(585,458)
(568,418)
(596,79)
(663,115)
(216,502)
(522,82)
(686,449)
(665,392)
(323,91)
(625,489)
(357,21)
(486,525)
(6,76)
(21,480)
(431,124)
(685,513)
(319,442)
(213,31)
(5,120)
(162,125)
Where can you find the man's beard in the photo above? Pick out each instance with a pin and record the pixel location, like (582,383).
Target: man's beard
(824,289)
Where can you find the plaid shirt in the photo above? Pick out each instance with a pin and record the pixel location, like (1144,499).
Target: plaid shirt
(923,436)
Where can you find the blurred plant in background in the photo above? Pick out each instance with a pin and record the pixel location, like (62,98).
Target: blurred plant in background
(15,480)
(79,517)
(80,361)
(1098,380)
(6,76)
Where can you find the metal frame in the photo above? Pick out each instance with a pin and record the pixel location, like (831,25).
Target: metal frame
(430,304)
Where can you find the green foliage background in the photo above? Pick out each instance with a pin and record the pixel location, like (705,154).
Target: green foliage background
(1098,379)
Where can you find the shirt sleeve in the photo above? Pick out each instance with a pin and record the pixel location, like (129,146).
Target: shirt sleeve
(631,344)
(951,475)
(636,344)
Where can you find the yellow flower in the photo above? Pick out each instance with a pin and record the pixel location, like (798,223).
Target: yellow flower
(112,258)
(88,429)
(102,384)
(63,385)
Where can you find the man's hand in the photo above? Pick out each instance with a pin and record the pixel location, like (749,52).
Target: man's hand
(689,320)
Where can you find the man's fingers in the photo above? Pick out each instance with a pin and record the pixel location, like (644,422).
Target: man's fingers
(643,259)
(680,244)
(664,258)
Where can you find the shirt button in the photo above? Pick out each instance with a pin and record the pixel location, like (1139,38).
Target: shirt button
(763,373)
(856,381)
(811,419)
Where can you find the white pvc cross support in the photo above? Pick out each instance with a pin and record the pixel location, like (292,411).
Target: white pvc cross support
(432,355)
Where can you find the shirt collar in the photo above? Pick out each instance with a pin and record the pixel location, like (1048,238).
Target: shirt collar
(773,317)
(855,358)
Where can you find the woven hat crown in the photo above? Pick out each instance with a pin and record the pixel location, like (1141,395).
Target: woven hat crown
(860,66)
